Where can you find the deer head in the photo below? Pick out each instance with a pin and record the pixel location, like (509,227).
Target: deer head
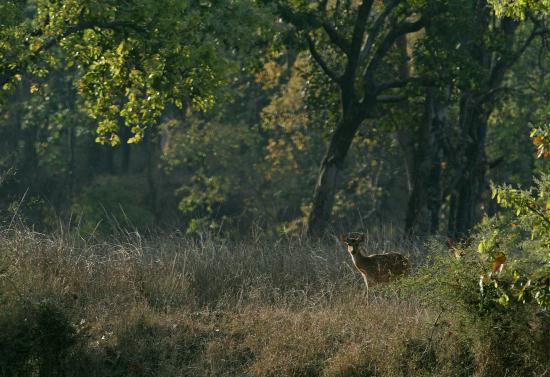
(352,241)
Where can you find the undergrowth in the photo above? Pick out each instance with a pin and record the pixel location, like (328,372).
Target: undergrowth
(173,305)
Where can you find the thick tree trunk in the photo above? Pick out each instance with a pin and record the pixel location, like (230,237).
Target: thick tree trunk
(325,189)
(425,198)
(475,110)
(405,135)
(439,127)
(471,180)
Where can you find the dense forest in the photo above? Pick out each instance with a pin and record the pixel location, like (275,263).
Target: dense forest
(246,135)
(286,116)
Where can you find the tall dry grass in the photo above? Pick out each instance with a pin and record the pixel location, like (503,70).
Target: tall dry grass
(205,306)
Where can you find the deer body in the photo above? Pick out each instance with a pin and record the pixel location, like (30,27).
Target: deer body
(376,267)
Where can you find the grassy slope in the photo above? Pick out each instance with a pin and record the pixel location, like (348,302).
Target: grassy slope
(175,306)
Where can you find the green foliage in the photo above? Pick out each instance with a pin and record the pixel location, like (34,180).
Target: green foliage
(516,244)
(519,9)
(134,57)
(499,338)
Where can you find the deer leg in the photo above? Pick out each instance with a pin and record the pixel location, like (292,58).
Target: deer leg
(366,284)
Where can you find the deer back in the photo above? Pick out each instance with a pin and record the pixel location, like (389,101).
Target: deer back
(382,267)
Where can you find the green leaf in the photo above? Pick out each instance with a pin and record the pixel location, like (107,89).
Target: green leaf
(503,299)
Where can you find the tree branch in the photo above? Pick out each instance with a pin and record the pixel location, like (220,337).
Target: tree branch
(315,54)
(356,41)
(375,29)
(516,55)
(336,38)
(489,94)
(392,84)
(390,98)
(360,25)
(323,6)
(402,28)
(506,62)
(307,20)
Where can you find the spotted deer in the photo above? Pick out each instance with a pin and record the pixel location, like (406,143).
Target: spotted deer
(376,267)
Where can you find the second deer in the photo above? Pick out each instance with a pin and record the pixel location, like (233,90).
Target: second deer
(376,267)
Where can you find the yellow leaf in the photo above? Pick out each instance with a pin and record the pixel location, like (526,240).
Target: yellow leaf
(134,139)
(120,48)
(114,140)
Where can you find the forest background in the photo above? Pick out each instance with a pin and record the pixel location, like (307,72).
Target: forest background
(237,105)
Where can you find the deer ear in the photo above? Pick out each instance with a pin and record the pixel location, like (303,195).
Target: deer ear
(344,238)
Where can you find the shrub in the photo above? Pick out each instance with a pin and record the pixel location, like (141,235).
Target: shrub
(516,244)
(34,338)
(495,339)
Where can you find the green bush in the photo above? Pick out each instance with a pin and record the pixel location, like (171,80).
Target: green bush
(494,289)
(515,243)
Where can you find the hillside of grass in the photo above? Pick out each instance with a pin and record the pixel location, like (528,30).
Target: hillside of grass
(176,306)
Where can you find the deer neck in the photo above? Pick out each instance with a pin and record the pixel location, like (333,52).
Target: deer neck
(355,255)
(361,262)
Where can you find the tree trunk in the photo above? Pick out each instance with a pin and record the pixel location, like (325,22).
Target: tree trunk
(467,193)
(71,143)
(152,171)
(439,128)
(325,189)
(126,134)
(475,109)
(71,171)
(426,197)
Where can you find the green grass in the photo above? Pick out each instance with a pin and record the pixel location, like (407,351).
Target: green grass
(176,306)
